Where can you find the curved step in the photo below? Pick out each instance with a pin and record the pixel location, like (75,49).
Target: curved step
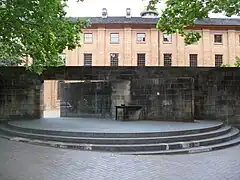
(114,135)
(139,140)
(201,149)
(138,147)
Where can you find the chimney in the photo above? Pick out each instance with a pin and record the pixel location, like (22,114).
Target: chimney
(104,13)
(128,13)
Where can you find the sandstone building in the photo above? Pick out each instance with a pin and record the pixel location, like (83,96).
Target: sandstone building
(134,41)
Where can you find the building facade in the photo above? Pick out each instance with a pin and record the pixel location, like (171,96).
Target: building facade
(135,41)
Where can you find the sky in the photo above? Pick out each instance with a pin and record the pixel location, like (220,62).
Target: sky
(94,7)
(90,8)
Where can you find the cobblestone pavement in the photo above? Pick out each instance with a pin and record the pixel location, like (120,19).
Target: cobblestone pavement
(20,161)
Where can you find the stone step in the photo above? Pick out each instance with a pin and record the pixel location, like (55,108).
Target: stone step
(138,140)
(114,135)
(137,147)
(201,149)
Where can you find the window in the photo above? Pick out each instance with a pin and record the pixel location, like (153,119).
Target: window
(141,59)
(114,59)
(193,58)
(64,58)
(87,59)
(114,38)
(141,37)
(167,59)
(88,38)
(218,38)
(218,60)
(167,38)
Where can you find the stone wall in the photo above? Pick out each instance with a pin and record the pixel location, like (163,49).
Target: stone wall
(179,94)
(87,99)
(21,96)
(161,99)
(169,99)
(217,95)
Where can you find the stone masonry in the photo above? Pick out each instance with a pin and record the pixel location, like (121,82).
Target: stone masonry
(21,95)
(179,94)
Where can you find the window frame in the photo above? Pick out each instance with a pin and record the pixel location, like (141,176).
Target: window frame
(165,63)
(215,38)
(216,60)
(140,61)
(114,62)
(112,38)
(191,60)
(86,37)
(167,42)
(138,38)
(87,60)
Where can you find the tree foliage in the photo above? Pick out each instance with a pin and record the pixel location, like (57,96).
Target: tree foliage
(236,64)
(181,13)
(38,29)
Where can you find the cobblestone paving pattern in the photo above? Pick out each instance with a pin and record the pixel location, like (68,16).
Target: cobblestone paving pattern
(21,161)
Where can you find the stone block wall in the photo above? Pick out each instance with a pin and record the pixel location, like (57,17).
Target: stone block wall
(87,99)
(217,95)
(161,99)
(178,94)
(169,99)
(20,98)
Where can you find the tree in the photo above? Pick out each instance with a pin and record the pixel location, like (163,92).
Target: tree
(37,29)
(181,13)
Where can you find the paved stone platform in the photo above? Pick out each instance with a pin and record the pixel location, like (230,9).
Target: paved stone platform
(111,126)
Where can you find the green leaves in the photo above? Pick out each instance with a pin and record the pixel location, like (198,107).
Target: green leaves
(38,29)
(179,14)
(191,37)
(236,64)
